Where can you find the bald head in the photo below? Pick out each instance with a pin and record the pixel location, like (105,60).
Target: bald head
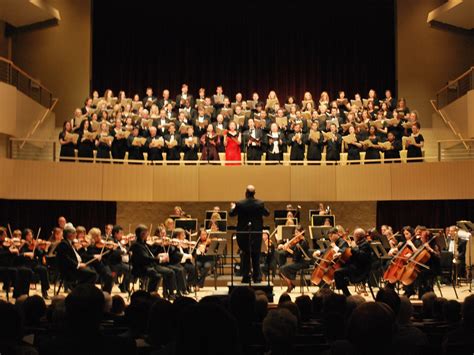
(359,233)
(250,191)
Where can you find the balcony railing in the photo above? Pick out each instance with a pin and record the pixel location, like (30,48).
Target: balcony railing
(13,75)
(48,150)
(455,89)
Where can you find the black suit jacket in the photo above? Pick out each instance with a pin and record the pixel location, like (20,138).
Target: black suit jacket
(250,211)
(141,258)
(66,258)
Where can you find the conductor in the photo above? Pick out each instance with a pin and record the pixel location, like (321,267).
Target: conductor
(250,212)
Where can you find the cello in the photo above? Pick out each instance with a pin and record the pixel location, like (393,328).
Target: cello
(327,266)
(395,270)
(417,260)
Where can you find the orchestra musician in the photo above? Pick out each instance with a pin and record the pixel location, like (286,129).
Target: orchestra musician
(145,263)
(101,263)
(70,263)
(298,248)
(186,259)
(456,244)
(119,260)
(268,260)
(10,272)
(32,256)
(359,264)
(204,262)
(250,212)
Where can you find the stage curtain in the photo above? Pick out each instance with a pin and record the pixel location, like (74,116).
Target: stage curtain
(33,214)
(432,214)
(259,46)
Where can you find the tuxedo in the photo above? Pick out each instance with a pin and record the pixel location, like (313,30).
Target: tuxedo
(250,213)
(68,259)
(253,150)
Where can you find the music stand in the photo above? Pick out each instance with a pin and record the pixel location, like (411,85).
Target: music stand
(174,216)
(221,224)
(284,232)
(283,213)
(216,249)
(282,221)
(318,220)
(318,233)
(384,241)
(222,214)
(190,225)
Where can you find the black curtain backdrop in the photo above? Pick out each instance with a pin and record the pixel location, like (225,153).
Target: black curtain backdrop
(432,214)
(246,47)
(33,214)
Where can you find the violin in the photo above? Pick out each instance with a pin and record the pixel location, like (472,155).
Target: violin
(293,241)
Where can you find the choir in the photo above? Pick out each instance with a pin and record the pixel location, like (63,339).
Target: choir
(212,127)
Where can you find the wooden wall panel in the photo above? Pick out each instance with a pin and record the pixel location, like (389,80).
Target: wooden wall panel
(363,182)
(127,183)
(431,181)
(51,181)
(272,183)
(175,183)
(38,180)
(313,183)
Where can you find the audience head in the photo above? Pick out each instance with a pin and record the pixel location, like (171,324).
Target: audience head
(370,327)
(468,312)
(242,304)
(428,301)
(452,311)
(118,305)
(161,328)
(11,326)
(85,307)
(305,306)
(34,309)
(388,296)
(261,307)
(284,297)
(279,330)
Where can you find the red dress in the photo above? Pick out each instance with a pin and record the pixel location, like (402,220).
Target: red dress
(232,150)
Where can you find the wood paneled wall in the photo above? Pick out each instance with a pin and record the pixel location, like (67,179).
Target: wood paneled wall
(105,182)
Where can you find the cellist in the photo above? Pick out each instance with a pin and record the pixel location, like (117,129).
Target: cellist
(359,264)
(338,245)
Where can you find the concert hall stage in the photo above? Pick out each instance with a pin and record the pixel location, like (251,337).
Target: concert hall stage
(278,290)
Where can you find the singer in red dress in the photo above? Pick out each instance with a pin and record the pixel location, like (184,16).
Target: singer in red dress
(232,141)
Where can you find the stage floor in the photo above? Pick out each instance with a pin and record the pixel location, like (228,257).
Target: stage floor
(446,292)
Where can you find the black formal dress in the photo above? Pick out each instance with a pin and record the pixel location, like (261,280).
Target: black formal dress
(85,148)
(300,261)
(415,152)
(68,259)
(67,150)
(250,213)
(314,148)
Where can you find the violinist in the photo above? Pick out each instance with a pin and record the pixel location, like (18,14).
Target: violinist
(119,259)
(147,263)
(97,251)
(359,264)
(187,258)
(70,263)
(204,262)
(338,245)
(298,248)
(268,260)
(18,276)
(31,256)
(173,262)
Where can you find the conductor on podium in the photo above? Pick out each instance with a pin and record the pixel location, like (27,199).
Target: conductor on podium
(250,213)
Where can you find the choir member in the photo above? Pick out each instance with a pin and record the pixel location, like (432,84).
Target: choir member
(162,123)
(134,146)
(210,143)
(119,144)
(353,148)
(315,142)
(274,142)
(87,109)
(394,151)
(414,150)
(372,149)
(183,97)
(253,142)
(296,142)
(66,142)
(333,144)
(172,144)
(85,146)
(232,142)
(190,145)
(103,142)
(201,121)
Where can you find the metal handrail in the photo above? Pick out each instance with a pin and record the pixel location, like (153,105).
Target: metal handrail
(462,84)
(38,123)
(449,124)
(16,76)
